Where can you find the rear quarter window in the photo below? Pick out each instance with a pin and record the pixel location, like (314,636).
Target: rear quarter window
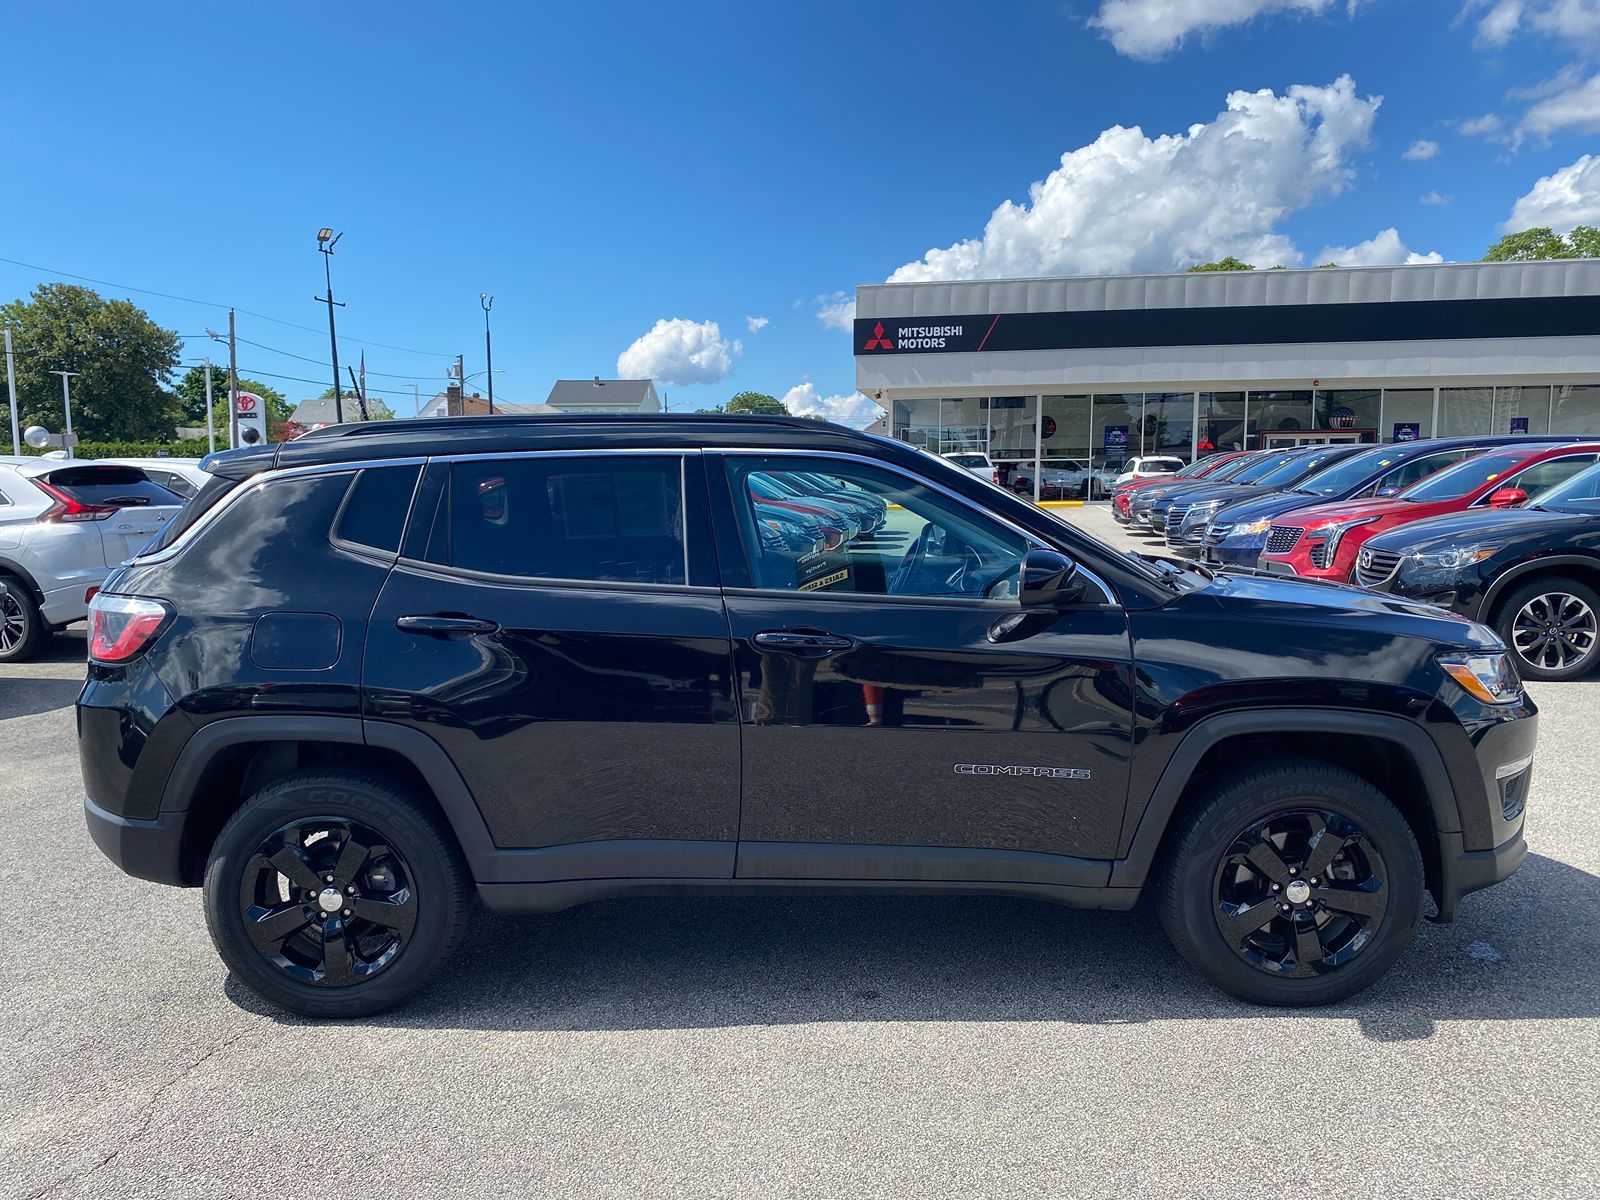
(375,510)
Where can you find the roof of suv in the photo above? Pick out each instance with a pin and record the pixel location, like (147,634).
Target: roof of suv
(496,435)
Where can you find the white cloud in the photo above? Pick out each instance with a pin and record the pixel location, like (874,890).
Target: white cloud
(1433,198)
(854,410)
(837,310)
(1127,202)
(1149,29)
(1573,108)
(1567,20)
(757,324)
(1570,196)
(1383,249)
(1484,126)
(680,352)
(1421,150)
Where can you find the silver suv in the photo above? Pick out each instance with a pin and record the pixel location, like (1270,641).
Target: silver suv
(64,524)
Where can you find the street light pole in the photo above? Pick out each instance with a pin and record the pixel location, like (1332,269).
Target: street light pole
(488,347)
(66,405)
(11,384)
(211,422)
(326,241)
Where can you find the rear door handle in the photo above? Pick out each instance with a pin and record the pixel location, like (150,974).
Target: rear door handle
(446,626)
(802,643)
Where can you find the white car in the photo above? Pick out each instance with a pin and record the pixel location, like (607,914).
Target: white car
(182,476)
(1059,479)
(1148,467)
(64,525)
(975,462)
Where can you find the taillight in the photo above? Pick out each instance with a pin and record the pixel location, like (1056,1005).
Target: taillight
(121,627)
(66,508)
(994,477)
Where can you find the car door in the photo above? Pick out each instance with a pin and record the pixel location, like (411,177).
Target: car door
(896,724)
(554,624)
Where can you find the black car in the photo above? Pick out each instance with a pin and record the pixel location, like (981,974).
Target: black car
(553,660)
(1532,572)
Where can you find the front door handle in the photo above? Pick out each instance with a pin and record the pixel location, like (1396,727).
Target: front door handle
(446,626)
(810,644)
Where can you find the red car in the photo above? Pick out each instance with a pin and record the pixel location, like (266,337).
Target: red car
(1199,469)
(1324,541)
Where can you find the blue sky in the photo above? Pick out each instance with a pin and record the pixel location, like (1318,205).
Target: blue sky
(601,168)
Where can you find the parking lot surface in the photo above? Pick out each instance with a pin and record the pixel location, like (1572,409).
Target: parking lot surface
(788,1047)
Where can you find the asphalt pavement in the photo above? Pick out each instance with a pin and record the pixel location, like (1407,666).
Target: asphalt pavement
(788,1047)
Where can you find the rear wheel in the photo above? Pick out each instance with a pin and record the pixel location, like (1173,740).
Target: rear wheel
(1552,625)
(1296,884)
(333,893)
(22,627)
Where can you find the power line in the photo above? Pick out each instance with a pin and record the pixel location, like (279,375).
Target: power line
(212,304)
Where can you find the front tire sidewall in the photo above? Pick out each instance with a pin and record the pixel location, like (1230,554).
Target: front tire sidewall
(1188,900)
(436,874)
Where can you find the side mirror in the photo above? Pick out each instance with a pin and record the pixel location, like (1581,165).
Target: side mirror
(1047,580)
(1384,493)
(1506,497)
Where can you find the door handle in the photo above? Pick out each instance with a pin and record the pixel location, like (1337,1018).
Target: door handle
(446,626)
(802,643)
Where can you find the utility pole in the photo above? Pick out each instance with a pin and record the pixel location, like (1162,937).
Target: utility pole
(326,241)
(416,400)
(461,382)
(11,384)
(233,385)
(211,428)
(488,347)
(66,404)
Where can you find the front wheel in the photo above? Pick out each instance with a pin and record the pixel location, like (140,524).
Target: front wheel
(1552,625)
(1294,884)
(333,893)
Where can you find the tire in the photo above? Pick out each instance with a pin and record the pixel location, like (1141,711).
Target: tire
(1207,881)
(1540,602)
(407,917)
(22,626)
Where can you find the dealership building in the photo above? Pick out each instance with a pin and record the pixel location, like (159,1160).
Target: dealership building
(1102,368)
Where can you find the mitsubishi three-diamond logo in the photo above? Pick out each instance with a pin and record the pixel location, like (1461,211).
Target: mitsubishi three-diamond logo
(877,341)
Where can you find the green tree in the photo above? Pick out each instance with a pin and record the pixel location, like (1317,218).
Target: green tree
(1227,264)
(1532,245)
(758,403)
(124,362)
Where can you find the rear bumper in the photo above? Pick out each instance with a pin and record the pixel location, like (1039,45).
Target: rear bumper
(146,849)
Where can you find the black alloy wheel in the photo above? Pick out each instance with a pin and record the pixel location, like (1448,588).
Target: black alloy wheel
(21,623)
(335,893)
(327,901)
(1294,883)
(1301,893)
(1553,627)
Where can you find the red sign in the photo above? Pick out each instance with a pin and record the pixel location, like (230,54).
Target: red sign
(247,402)
(877,341)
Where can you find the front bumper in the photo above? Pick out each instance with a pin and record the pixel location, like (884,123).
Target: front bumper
(1464,871)
(146,849)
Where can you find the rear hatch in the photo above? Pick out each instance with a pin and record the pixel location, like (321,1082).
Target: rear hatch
(127,507)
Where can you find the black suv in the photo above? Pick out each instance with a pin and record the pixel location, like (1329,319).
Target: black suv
(557,659)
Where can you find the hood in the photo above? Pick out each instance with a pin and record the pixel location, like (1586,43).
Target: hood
(1165,491)
(1484,523)
(1329,514)
(1225,492)
(1279,598)
(1256,506)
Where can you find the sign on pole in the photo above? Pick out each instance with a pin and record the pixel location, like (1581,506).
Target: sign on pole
(250,410)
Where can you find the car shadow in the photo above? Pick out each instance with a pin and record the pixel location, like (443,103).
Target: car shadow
(703,962)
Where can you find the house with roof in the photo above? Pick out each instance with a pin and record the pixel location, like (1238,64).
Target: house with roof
(604,396)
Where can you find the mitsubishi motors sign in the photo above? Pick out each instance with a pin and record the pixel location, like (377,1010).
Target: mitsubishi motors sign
(919,336)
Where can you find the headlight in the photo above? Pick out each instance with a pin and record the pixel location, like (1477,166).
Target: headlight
(1454,558)
(1260,526)
(1334,534)
(1486,677)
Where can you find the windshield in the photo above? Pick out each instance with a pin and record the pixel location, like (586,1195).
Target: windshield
(1200,465)
(1297,468)
(1350,473)
(1464,478)
(1580,494)
(1161,464)
(968,460)
(1264,466)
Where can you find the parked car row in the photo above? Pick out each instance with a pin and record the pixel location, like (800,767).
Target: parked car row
(65,524)
(1503,530)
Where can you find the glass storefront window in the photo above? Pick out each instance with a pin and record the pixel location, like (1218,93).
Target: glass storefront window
(1168,424)
(1066,429)
(1521,410)
(1011,421)
(1222,423)
(1407,415)
(1285,412)
(917,422)
(1575,408)
(1114,426)
(1349,409)
(1464,411)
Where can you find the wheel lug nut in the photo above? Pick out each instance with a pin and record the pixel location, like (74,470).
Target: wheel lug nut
(1277,887)
(352,888)
(347,912)
(1294,870)
(327,878)
(1283,908)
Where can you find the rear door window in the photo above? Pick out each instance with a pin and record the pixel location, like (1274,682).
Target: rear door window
(586,518)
